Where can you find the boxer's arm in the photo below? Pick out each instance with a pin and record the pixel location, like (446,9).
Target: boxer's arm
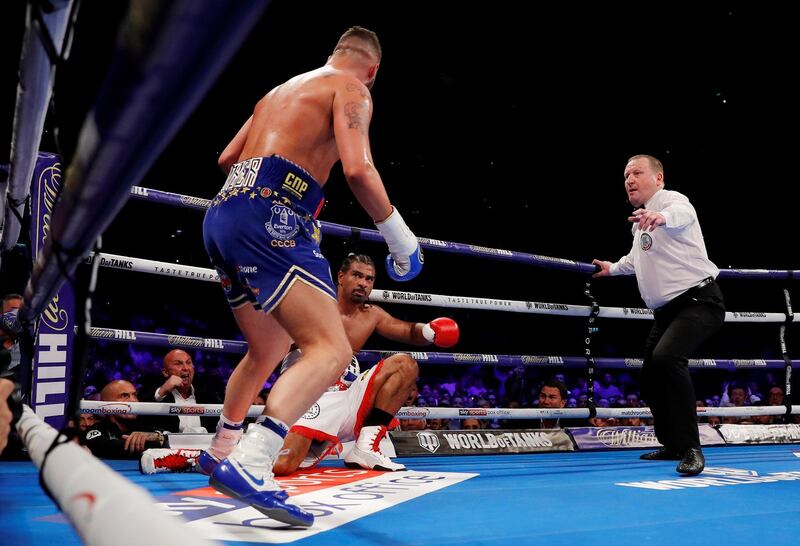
(352,111)
(399,330)
(294,450)
(442,332)
(233,150)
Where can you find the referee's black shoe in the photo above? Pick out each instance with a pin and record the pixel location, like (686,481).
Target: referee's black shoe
(661,454)
(692,462)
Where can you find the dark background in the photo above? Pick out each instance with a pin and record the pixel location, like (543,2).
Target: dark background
(506,125)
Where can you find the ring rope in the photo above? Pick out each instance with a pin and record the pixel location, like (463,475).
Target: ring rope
(212,410)
(339,230)
(471,359)
(591,330)
(785,351)
(128,263)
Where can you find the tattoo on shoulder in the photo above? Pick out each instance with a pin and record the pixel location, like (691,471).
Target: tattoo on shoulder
(353,88)
(355,116)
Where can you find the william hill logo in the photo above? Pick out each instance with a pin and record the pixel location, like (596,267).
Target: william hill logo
(185,341)
(432,242)
(626,437)
(466,357)
(750,363)
(486,250)
(532,359)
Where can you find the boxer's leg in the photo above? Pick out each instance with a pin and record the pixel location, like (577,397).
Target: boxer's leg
(311,319)
(388,391)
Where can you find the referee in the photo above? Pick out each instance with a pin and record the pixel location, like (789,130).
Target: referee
(678,281)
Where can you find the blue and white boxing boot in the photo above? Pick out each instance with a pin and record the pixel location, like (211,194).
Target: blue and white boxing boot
(225,439)
(405,255)
(247,475)
(207,463)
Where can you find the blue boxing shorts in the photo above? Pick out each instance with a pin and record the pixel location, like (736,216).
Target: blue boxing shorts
(262,235)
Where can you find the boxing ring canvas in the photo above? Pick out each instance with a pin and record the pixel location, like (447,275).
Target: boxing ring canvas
(746,494)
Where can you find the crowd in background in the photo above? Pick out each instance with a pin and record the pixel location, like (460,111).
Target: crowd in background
(457,386)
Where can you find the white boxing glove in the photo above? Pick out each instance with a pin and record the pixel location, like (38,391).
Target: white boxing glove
(405,255)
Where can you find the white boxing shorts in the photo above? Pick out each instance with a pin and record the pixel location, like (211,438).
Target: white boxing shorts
(338,415)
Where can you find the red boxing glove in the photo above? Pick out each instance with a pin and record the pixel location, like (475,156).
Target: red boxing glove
(442,332)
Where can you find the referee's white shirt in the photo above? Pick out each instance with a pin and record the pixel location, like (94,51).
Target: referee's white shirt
(672,258)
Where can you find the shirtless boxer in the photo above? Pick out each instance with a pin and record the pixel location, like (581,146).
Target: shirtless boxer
(262,237)
(360,406)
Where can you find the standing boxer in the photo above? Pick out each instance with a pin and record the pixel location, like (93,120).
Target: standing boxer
(263,239)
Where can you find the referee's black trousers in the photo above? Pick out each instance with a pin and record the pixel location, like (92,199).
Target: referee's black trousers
(679,328)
